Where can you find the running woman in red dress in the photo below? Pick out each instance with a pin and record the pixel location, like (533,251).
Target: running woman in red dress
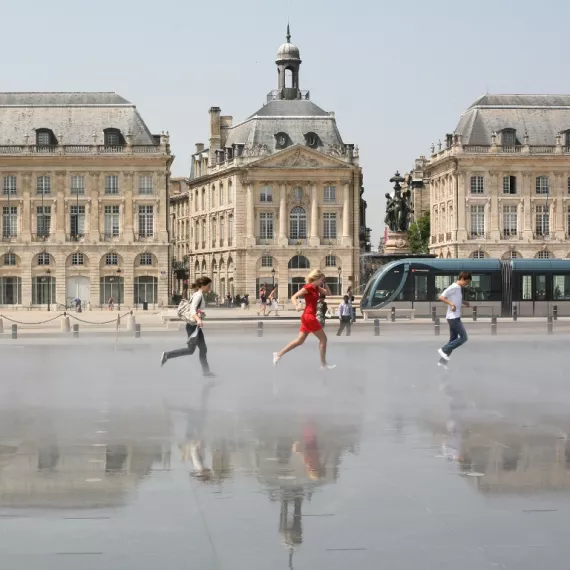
(309,324)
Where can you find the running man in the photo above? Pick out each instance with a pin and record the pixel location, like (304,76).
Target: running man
(193,316)
(309,324)
(453,297)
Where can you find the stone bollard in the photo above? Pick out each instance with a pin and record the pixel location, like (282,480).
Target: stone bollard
(64,324)
(433,314)
(393,314)
(75,331)
(1,325)
(515,313)
(14,331)
(474,313)
(493,325)
(549,325)
(131,322)
(259,329)
(555,312)
(376,327)
(436,326)
(137,330)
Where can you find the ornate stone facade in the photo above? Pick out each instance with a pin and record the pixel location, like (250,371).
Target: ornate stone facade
(84,211)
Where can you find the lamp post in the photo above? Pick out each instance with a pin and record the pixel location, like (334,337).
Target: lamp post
(339,268)
(119,289)
(273,275)
(48,271)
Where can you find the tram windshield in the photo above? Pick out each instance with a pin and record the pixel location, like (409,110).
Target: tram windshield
(387,286)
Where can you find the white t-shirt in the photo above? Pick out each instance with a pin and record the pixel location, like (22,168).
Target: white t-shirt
(453,293)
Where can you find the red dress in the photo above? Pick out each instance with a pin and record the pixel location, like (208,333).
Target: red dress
(309,322)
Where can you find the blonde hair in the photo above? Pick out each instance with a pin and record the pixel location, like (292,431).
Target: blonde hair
(314,275)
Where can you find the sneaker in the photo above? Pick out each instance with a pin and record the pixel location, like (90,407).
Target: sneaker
(276,358)
(443,364)
(443,355)
(328,366)
(163,359)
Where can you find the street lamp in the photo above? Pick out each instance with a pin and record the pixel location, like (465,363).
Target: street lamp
(119,289)
(48,271)
(273,274)
(339,268)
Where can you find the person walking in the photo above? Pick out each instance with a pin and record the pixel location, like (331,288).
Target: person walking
(322,309)
(192,312)
(273,303)
(345,316)
(310,293)
(262,300)
(453,298)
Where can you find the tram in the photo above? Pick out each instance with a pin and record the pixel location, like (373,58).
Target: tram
(533,286)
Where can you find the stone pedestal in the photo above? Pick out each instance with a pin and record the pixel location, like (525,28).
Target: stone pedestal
(397,244)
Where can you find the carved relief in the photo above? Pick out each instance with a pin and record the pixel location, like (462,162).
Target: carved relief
(298,159)
(334,150)
(256,150)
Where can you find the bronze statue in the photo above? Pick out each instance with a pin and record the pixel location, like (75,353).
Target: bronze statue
(398,207)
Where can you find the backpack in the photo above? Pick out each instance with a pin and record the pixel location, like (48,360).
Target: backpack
(183,310)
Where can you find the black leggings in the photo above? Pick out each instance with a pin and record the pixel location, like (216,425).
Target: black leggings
(200,343)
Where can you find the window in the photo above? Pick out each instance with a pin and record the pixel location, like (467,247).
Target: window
(43,220)
(10,259)
(230,229)
(111,184)
(542,220)
(146,221)
(222,231)
(43,138)
(542,185)
(146,289)
(213,197)
(10,221)
(329,228)
(442,282)
(112,137)
(266,194)
(214,227)
(330,261)
(509,184)
(43,259)
(111,259)
(203,198)
(230,192)
(145,259)
(561,287)
(480,287)
(526,286)
(544,255)
(298,193)
(512,254)
(267,261)
(146,184)
(540,285)
(299,262)
(510,220)
(77,219)
(10,290)
(112,221)
(43,290)
(477,221)
(221,193)
(312,140)
(77,259)
(298,224)
(420,287)
(77,185)
(281,140)
(477,185)
(568,185)
(43,185)
(265,225)
(329,195)
(478,255)
(509,138)
(9,185)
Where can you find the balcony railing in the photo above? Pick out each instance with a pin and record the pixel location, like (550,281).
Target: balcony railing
(448,236)
(113,149)
(511,234)
(433,239)
(9,238)
(75,237)
(478,235)
(265,241)
(330,241)
(80,149)
(44,149)
(144,236)
(440,238)
(109,236)
(542,235)
(42,236)
(297,241)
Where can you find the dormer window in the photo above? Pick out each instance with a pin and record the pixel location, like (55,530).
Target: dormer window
(312,140)
(508,137)
(45,137)
(113,137)
(566,137)
(282,140)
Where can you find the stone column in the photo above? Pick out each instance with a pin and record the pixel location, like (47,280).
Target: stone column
(26,208)
(127,186)
(93,188)
(250,215)
(314,233)
(283,215)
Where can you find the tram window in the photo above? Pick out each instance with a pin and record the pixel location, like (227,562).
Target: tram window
(387,285)
(526,283)
(420,288)
(442,282)
(479,289)
(540,287)
(561,288)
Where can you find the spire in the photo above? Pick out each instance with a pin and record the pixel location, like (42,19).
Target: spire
(288,36)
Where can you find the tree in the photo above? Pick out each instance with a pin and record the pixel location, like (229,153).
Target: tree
(418,235)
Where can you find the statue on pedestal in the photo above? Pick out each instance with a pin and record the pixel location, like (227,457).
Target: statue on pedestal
(398,207)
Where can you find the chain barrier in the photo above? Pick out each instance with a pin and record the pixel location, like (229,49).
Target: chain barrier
(99,323)
(31,322)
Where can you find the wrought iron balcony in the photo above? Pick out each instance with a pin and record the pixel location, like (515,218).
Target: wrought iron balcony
(42,236)
(144,236)
(74,237)
(109,236)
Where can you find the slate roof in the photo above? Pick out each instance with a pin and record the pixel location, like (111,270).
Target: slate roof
(294,117)
(74,116)
(542,117)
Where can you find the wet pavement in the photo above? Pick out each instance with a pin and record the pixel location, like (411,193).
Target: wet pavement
(109,462)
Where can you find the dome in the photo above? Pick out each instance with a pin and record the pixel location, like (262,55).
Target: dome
(287,52)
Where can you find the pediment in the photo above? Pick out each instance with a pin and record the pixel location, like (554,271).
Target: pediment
(299,157)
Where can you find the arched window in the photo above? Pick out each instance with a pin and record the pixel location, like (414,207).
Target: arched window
(10,259)
(77,258)
(45,138)
(312,140)
(298,224)
(113,137)
(43,259)
(511,254)
(299,262)
(145,259)
(478,254)
(267,261)
(288,78)
(544,254)
(508,137)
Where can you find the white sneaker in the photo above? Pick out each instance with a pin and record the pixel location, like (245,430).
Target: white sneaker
(276,358)
(328,366)
(443,364)
(443,355)
(163,359)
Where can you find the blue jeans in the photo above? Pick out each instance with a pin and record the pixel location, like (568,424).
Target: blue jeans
(457,336)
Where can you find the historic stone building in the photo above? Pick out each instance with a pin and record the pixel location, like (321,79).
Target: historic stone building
(500,187)
(84,201)
(273,196)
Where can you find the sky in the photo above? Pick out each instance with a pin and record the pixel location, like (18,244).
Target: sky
(398,75)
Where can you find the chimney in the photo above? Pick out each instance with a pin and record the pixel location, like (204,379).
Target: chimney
(215,133)
(199,148)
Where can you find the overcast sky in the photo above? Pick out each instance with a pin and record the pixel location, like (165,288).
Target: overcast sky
(397,74)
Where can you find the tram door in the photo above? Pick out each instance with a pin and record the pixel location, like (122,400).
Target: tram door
(533,295)
(421,300)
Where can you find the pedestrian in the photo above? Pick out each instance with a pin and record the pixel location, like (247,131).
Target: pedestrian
(192,312)
(345,316)
(111,303)
(262,300)
(322,309)
(246,300)
(453,297)
(310,293)
(352,307)
(273,303)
